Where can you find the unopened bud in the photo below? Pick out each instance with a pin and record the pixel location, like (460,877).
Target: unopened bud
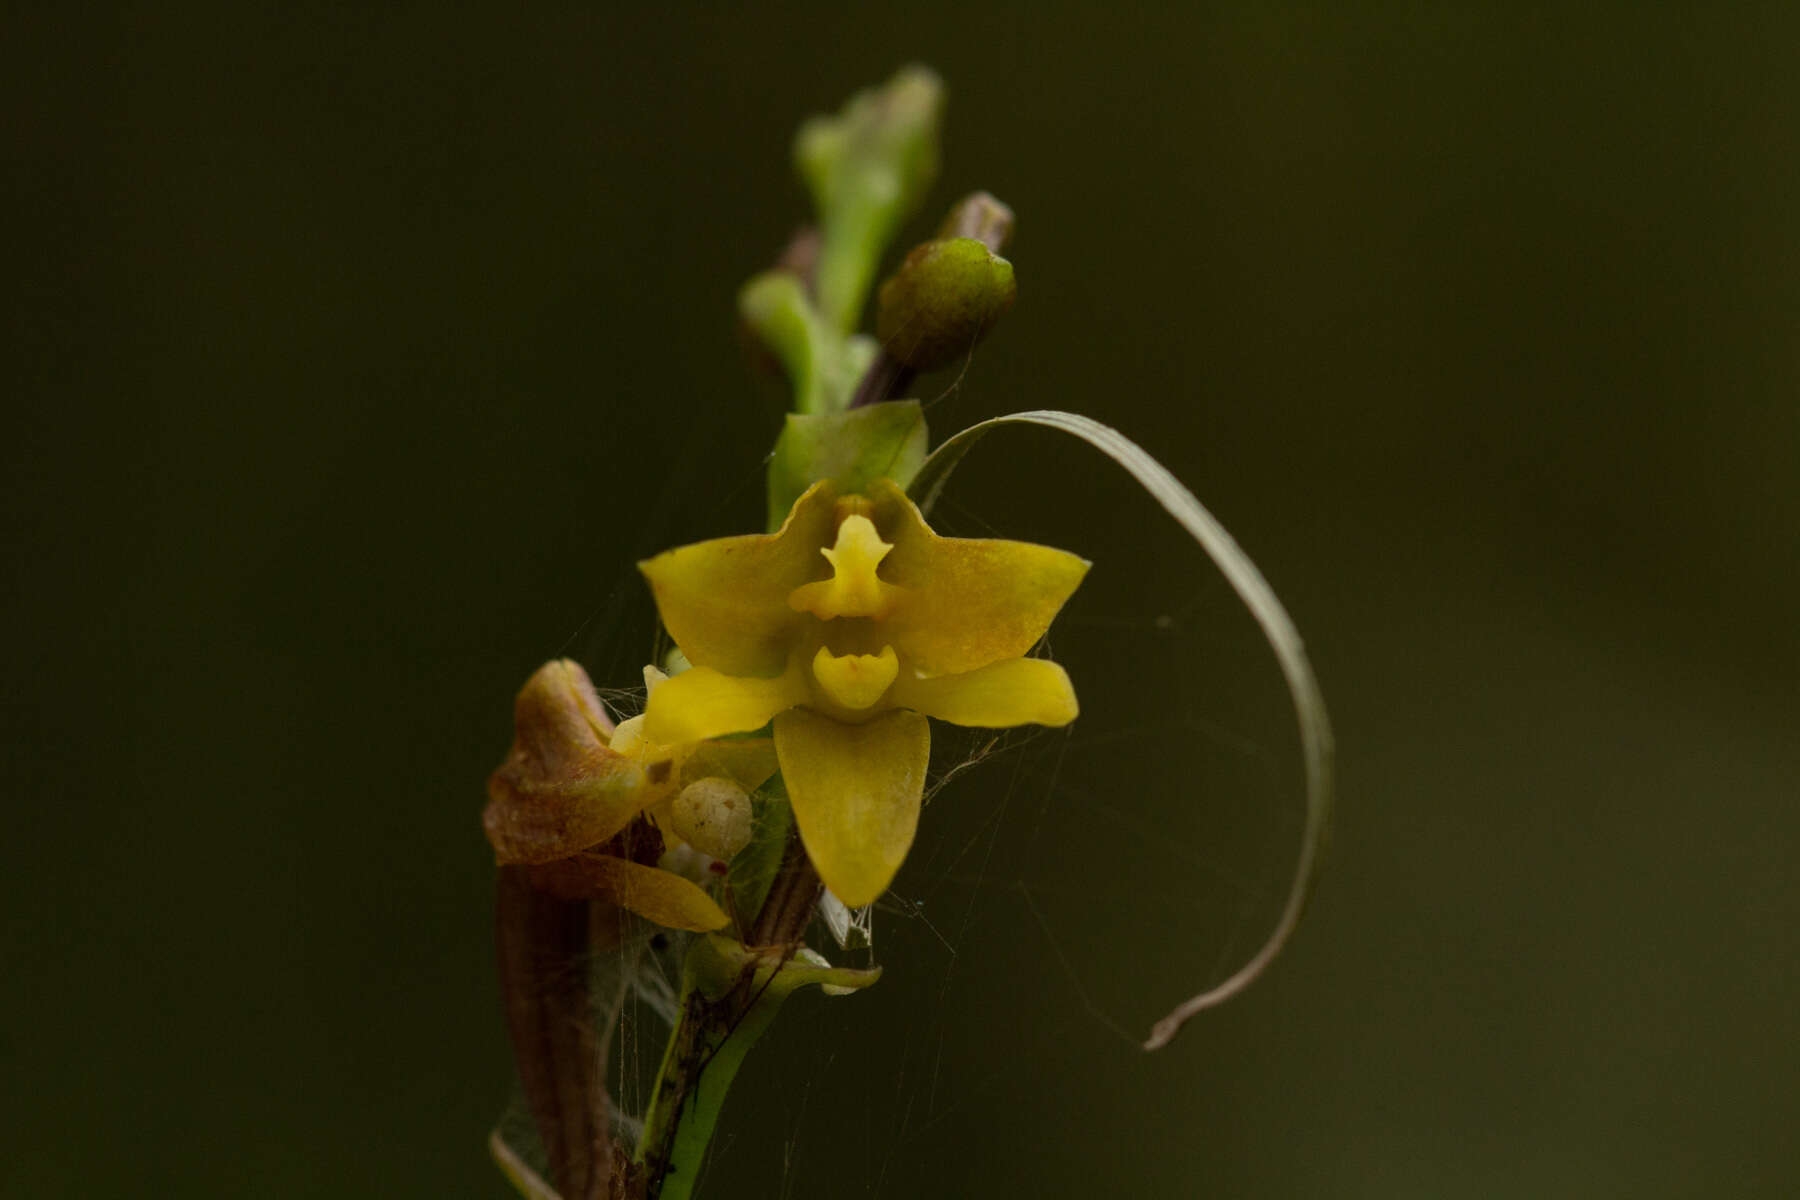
(942,301)
(713,815)
(883,142)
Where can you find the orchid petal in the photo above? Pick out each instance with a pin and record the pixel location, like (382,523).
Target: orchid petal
(724,601)
(703,703)
(662,896)
(963,603)
(855,792)
(1019,691)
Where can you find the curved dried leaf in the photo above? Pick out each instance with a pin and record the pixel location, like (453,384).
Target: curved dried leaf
(1278,628)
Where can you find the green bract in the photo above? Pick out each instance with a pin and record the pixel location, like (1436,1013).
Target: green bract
(851,449)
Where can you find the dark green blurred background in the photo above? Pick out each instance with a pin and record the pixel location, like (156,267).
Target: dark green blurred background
(356,357)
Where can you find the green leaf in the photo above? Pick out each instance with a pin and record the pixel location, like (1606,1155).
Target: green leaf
(717,964)
(852,448)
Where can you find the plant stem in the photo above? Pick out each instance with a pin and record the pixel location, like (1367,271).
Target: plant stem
(711,1036)
(789,907)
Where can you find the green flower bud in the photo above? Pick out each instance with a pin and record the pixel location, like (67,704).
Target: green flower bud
(942,301)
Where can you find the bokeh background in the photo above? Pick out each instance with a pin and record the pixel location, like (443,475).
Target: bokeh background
(356,355)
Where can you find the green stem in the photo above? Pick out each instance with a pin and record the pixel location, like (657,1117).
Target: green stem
(729,997)
(719,1017)
(713,1062)
(676,1079)
(855,233)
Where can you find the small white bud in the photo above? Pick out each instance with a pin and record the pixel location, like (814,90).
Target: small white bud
(713,815)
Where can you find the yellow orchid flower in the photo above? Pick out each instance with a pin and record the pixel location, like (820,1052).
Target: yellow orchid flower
(848,627)
(570,800)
